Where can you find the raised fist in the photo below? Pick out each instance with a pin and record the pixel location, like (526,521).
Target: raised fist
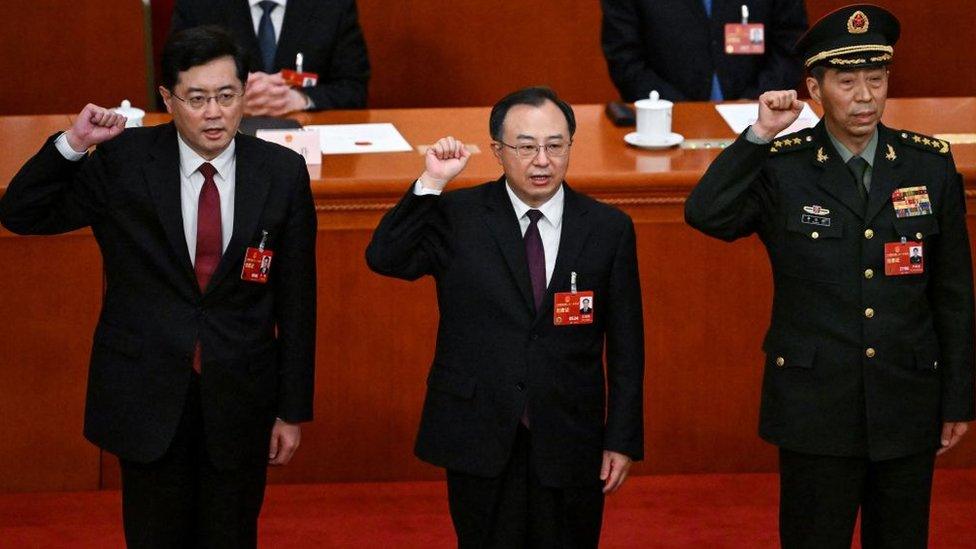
(94,125)
(777,110)
(443,161)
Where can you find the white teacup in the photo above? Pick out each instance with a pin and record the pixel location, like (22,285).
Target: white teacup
(654,118)
(133,116)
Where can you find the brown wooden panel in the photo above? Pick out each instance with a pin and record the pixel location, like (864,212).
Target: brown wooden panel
(59,55)
(51,297)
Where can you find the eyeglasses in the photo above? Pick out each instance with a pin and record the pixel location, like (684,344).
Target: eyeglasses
(526,151)
(197,102)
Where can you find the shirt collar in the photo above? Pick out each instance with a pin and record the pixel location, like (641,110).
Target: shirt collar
(281,3)
(190,161)
(552,210)
(845,154)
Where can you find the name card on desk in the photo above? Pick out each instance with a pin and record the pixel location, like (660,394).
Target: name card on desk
(304,142)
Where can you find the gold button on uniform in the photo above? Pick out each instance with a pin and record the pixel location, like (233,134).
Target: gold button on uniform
(868,273)
(780,361)
(869,352)
(814,235)
(918,236)
(869,234)
(869,312)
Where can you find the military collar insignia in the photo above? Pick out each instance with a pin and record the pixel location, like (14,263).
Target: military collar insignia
(891,153)
(816,209)
(924,142)
(858,23)
(822,156)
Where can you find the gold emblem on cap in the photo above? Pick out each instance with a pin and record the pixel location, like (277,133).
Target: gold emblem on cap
(858,23)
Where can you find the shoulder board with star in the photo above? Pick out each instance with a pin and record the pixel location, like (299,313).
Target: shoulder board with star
(796,141)
(924,142)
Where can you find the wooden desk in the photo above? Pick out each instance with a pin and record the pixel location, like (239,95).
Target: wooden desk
(703,325)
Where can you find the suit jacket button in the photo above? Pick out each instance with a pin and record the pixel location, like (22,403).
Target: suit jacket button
(520,386)
(869,312)
(868,273)
(869,352)
(868,234)
(814,235)
(918,236)
(535,337)
(780,361)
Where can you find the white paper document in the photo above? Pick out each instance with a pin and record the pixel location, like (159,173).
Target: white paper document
(360,138)
(740,116)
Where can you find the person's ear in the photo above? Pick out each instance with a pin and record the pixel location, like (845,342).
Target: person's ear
(167,99)
(813,88)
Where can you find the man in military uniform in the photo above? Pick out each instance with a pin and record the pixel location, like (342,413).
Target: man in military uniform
(869,369)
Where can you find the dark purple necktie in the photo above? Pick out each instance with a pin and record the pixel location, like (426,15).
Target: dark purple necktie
(209,236)
(536,255)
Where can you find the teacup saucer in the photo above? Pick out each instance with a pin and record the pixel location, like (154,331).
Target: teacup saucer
(637,140)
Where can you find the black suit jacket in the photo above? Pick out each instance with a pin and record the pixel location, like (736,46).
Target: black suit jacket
(841,379)
(495,353)
(673,47)
(257,340)
(325,32)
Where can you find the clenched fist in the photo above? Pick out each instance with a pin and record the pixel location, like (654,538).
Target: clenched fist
(443,161)
(777,110)
(94,125)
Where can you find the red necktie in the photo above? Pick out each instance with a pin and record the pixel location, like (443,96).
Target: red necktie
(209,237)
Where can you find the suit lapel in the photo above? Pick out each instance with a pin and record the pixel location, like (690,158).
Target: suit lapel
(162,174)
(297,17)
(238,16)
(251,190)
(836,180)
(499,216)
(885,175)
(573,234)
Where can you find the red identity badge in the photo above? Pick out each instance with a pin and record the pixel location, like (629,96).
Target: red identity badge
(570,308)
(904,258)
(745,38)
(257,262)
(298,78)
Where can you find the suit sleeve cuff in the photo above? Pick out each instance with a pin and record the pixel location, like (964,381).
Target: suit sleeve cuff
(61,143)
(755,139)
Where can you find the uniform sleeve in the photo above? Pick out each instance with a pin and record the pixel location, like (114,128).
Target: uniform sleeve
(730,200)
(625,352)
(623,47)
(412,238)
(951,296)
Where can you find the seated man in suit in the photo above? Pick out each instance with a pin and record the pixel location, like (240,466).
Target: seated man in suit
(198,379)
(517,410)
(274,33)
(679,48)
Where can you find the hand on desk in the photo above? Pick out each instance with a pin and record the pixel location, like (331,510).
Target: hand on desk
(777,110)
(92,126)
(285,438)
(269,95)
(443,162)
(614,470)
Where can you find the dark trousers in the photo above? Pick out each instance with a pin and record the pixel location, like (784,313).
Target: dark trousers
(820,497)
(514,510)
(183,501)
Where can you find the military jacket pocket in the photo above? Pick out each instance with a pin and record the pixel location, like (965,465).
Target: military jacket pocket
(916,228)
(927,355)
(784,353)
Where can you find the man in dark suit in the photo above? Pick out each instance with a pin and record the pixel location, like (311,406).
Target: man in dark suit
(273,33)
(515,408)
(679,49)
(869,370)
(198,379)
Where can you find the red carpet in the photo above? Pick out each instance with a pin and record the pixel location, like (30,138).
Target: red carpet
(700,511)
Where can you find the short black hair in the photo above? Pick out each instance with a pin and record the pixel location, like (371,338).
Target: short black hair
(198,46)
(535,96)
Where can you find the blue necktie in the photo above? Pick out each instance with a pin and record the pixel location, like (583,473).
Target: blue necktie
(716,94)
(266,35)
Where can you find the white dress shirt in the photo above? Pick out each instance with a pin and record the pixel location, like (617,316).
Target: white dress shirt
(277,16)
(191,182)
(550,224)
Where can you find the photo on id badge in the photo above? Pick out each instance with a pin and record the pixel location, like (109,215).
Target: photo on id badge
(573,307)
